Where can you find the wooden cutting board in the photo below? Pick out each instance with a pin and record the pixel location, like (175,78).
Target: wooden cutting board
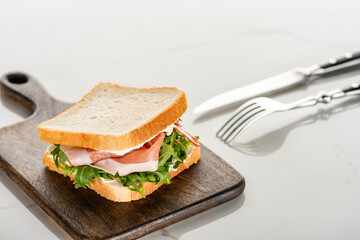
(84,214)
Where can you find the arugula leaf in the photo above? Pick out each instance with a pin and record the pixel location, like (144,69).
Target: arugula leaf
(55,154)
(176,165)
(80,179)
(62,157)
(166,152)
(84,174)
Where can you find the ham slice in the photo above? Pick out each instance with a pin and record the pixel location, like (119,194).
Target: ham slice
(190,137)
(77,156)
(148,152)
(145,158)
(96,156)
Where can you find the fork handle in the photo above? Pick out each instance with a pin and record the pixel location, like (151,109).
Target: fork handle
(326,97)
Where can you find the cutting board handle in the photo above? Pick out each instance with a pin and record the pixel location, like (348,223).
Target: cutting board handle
(24,89)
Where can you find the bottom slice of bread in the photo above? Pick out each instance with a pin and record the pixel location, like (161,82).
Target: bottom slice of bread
(116,191)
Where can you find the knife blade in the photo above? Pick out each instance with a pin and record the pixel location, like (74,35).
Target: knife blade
(275,84)
(264,87)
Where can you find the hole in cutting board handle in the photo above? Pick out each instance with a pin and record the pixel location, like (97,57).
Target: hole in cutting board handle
(17,78)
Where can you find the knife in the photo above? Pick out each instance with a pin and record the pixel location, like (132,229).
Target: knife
(278,83)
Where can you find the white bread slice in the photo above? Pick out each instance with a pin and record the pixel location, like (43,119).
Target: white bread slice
(120,193)
(114,118)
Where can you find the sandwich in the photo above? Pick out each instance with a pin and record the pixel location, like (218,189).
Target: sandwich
(122,142)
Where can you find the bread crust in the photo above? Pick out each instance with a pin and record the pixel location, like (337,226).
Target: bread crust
(115,142)
(121,193)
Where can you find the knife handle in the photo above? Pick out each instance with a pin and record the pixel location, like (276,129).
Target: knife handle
(353,89)
(348,57)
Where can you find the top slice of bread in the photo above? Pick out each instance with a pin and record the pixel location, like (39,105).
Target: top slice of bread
(114,118)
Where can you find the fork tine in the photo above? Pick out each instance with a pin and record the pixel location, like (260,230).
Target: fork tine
(243,114)
(244,125)
(239,123)
(235,114)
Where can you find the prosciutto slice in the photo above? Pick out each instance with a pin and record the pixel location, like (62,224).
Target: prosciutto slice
(77,156)
(145,158)
(190,137)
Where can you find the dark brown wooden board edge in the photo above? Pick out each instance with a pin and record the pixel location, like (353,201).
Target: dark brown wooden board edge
(183,213)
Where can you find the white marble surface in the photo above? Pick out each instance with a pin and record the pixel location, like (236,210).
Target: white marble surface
(303,179)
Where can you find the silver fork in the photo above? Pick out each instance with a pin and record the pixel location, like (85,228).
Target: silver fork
(257,108)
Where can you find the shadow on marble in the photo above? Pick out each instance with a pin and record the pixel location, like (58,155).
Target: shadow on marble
(176,230)
(33,207)
(272,141)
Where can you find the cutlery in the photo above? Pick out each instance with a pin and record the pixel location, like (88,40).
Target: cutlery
(278,83)
(257,108)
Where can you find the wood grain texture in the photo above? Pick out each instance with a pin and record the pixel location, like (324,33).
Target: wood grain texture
(84,214)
